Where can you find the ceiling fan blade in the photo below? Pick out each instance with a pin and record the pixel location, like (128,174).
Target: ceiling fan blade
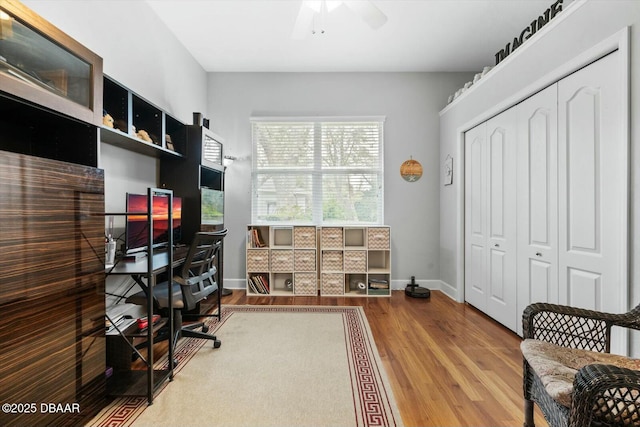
(304,22)
(369,12)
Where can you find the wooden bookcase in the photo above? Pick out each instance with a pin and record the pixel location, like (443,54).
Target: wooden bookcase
(302,260)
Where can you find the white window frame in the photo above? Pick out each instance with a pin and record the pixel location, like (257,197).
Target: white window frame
(318,172)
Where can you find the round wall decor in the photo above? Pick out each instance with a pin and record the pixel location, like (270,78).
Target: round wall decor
(411,170)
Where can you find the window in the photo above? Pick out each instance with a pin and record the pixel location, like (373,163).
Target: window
(317,171)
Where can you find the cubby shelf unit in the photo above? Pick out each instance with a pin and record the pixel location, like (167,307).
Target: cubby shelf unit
(355,261)
(305,260)
(281,260)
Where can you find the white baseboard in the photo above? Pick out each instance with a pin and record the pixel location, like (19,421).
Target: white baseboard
(449,290)
(235,283)
(396,285)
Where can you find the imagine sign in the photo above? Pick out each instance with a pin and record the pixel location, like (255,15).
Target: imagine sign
(538,23)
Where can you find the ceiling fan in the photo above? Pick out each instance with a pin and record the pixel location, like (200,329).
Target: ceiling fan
(312,9)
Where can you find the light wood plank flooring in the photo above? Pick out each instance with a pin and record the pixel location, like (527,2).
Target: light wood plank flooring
(448,364)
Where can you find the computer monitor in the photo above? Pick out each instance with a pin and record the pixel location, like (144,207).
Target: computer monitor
(212,206)
(136,232)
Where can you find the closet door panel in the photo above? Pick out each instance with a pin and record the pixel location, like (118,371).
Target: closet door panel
(585,287)
(475,217)
(537,199)
(593,185)
(501,218)
(542,277)
(584,203)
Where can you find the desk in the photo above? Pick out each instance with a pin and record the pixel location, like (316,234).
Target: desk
(131,383)
(159,263)
(155,263)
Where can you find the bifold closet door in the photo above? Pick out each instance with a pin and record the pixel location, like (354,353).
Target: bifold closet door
(501,218)
(537,212)
(490,162)
(570,216)
(475,260)
(592,193)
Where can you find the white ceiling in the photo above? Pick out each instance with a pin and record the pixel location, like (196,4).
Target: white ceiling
(419,35)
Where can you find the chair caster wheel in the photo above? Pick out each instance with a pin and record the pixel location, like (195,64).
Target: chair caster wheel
(217,344)
(175,362)
(205,328)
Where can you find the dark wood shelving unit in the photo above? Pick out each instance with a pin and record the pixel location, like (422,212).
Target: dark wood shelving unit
(44,66)
(132,113)
(198,178)
(33,130)
(52,235)
(128,142)
(188,177)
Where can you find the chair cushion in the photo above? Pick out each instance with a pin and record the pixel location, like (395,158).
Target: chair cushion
(557,366)
(161,295)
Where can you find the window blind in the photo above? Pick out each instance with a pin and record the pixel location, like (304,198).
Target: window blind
(317,171)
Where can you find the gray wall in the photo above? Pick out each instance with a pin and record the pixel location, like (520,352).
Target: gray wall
(139,52)
(142,54)
(409,101)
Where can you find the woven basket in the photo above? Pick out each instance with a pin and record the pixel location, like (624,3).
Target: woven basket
(304,260)
(332,261)
(332,238)
(281,260)
(332,284)
(355,261)
(304,237)
(257,260)
(305,284)
(378,238)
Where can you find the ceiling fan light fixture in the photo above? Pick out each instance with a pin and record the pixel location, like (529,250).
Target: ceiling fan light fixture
(310,9)
(368,12)
(317,5)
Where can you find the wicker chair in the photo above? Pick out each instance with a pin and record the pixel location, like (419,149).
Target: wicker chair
(602,393)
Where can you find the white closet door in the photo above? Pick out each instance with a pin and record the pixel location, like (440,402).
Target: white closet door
(490,218)
(501,218)
(592,158)
(475,218)
(537,199)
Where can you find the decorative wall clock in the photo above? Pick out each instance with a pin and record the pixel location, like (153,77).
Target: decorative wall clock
(411,170)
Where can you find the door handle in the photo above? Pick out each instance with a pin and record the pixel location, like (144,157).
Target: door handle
(496,245)
(538,254)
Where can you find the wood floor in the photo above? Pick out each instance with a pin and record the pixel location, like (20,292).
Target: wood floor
(448,364)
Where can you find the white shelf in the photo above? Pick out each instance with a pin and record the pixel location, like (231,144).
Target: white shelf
(324,258)
(286,254)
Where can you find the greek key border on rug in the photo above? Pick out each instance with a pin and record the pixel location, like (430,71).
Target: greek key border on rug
(372,398)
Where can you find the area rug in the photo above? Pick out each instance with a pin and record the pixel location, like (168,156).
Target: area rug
(278,366)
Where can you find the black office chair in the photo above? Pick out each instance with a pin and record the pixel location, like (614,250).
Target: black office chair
(195,281)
